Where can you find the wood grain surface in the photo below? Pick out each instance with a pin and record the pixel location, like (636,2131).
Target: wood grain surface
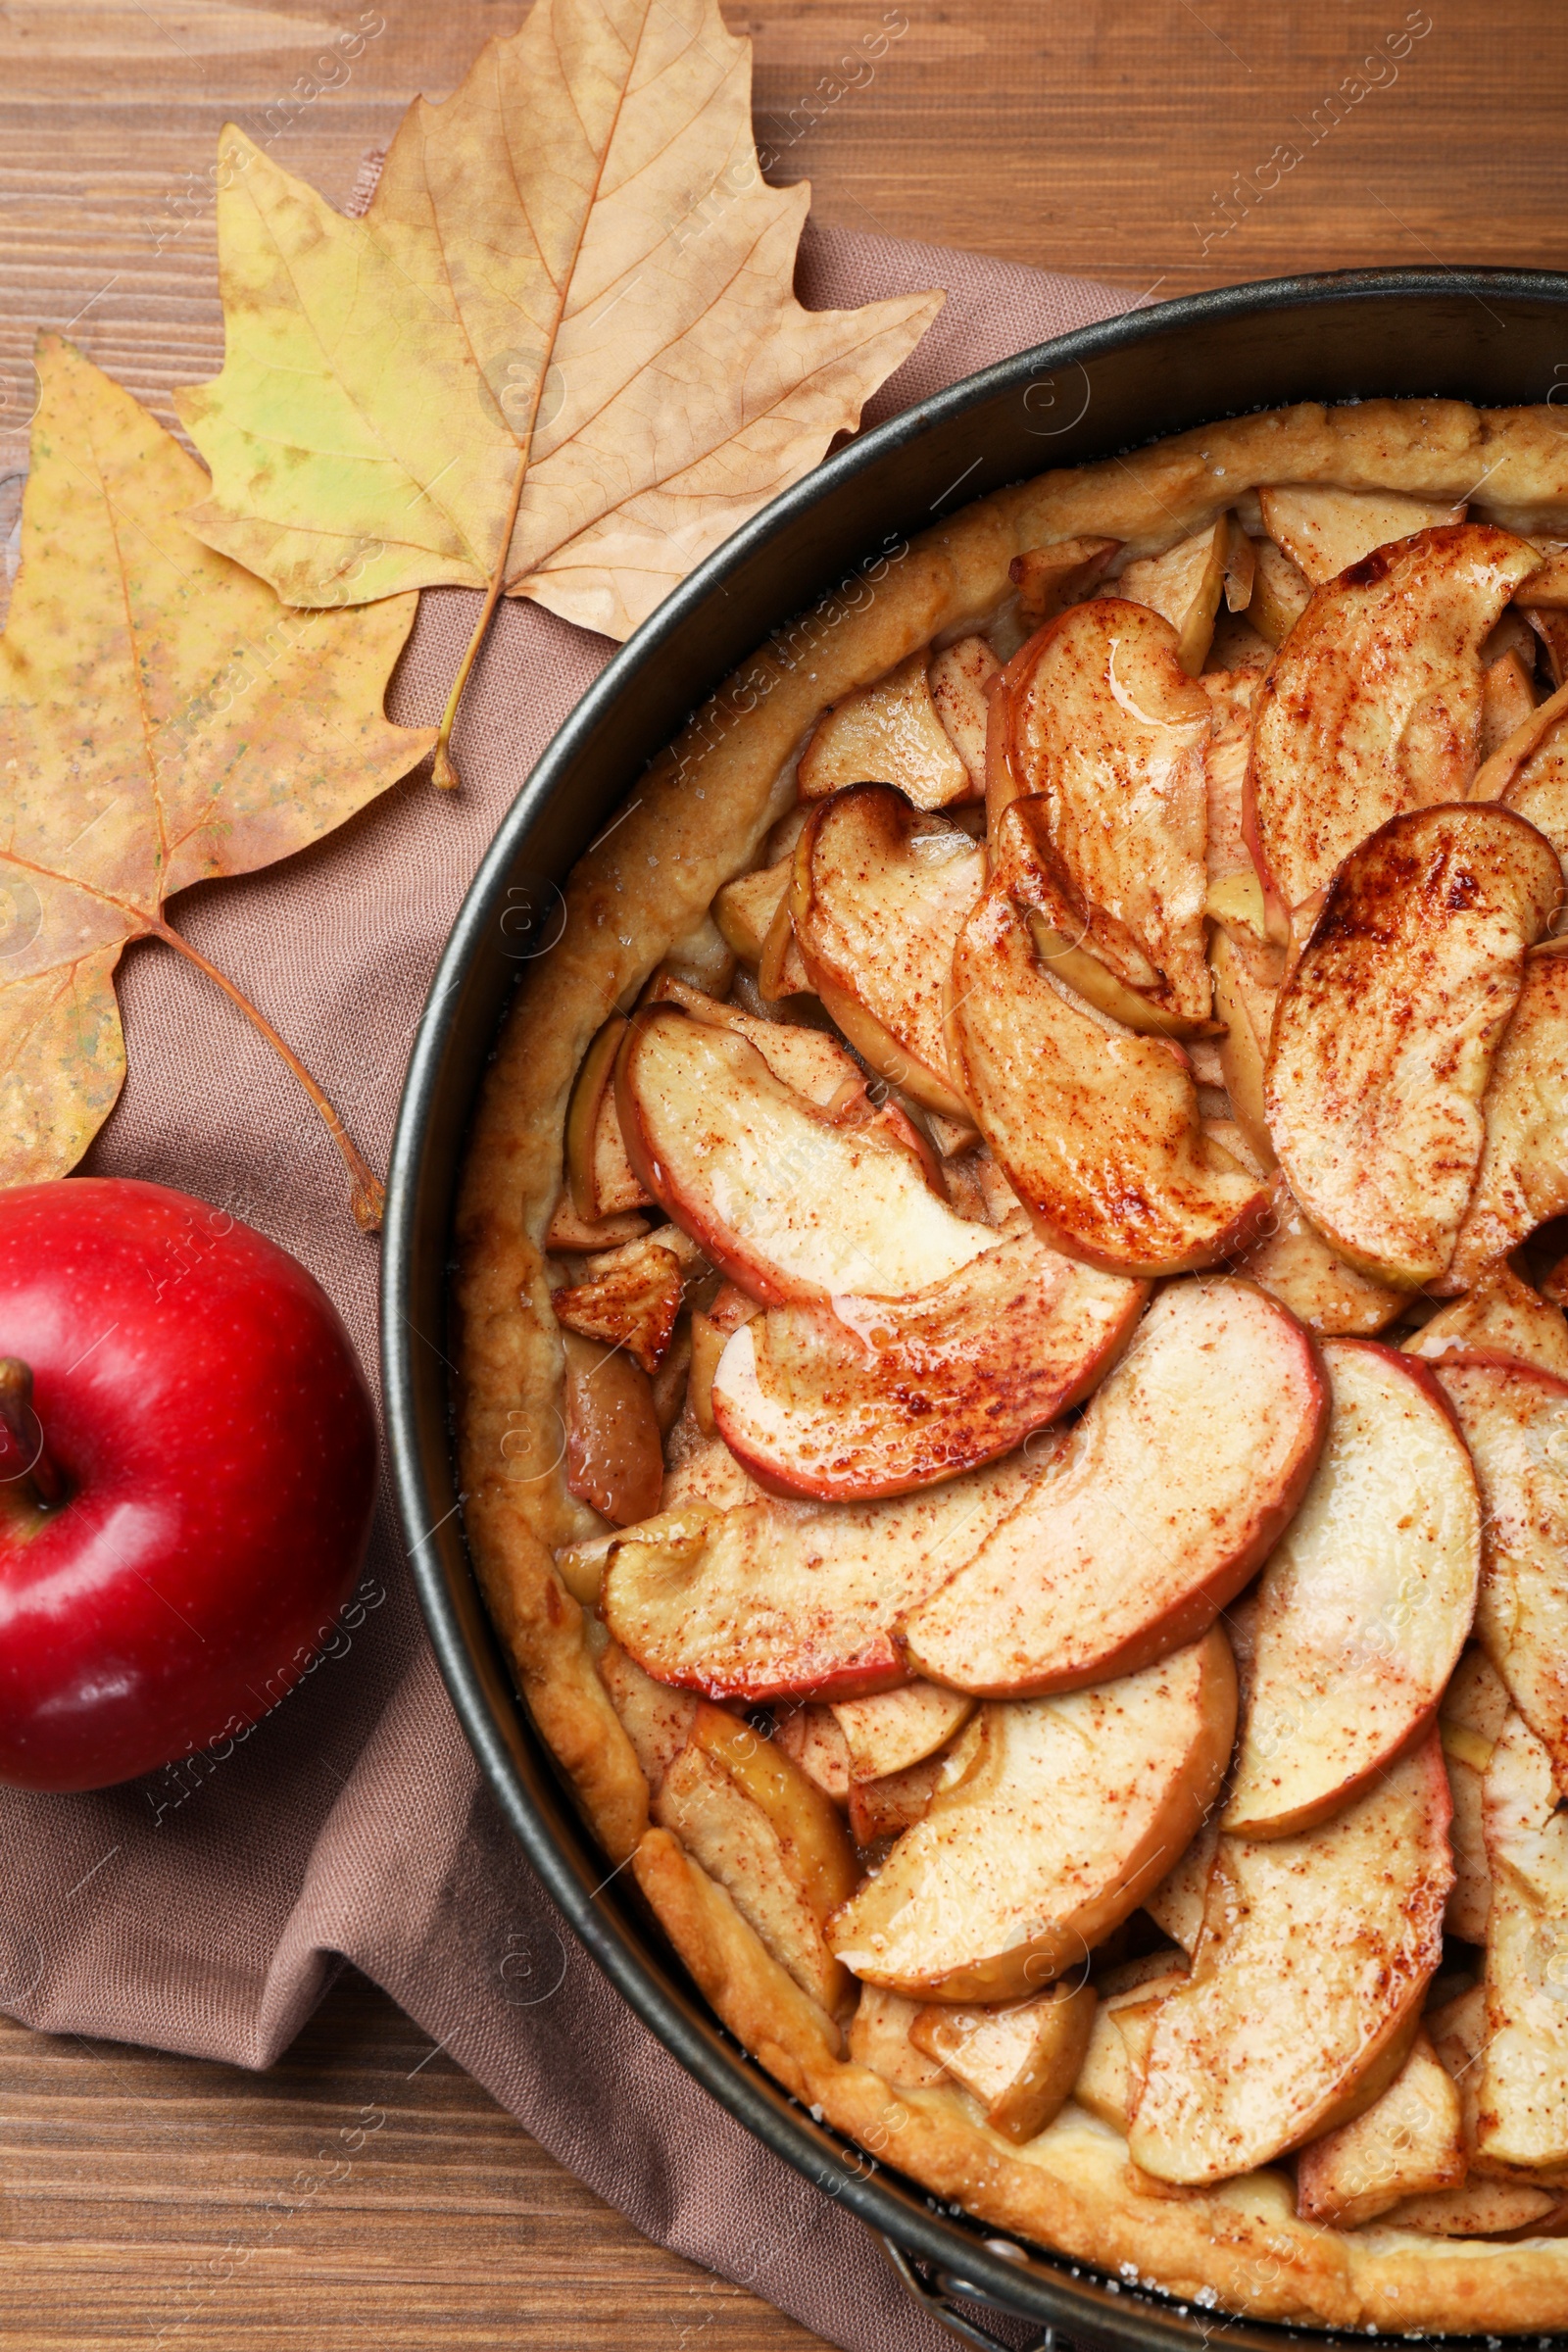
(1161,144)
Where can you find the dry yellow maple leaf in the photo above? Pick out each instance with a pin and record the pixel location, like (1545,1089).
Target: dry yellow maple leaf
(559,356)
(163,719)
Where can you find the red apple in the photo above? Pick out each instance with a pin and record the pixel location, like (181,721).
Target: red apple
(188,1466)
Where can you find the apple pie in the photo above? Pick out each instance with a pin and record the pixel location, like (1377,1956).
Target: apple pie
(1013,1379)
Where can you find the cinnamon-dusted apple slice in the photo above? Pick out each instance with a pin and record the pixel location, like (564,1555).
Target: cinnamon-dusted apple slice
(872,1396)
(1019,2062)
(1527,772)
(629,1299)
(900,1728)
(790,1599)
(1108,2081)
(1523,1176)
(1185,584)
(811,1737)
(1373,703)
(1522,2103)
(1515,1423)
(1294,1264)
(787,1202)
(1364,1604)
(1160,1502)
(879,2037)
(1058,1817)
(1316,1953)
(960,680)
(889,733)
(775,1842)
(1100,720)
(1385,1032)
(810,1060)
(1323,530)
(1408,2144)
(894,1802)
(1505,1318)
(1474,1709)
(879,896)
(1096,1129)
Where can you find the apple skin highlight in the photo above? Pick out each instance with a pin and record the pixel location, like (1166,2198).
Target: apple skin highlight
(199,1396)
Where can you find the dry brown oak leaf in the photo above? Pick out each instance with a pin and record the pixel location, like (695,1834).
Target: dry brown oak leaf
(162,720)
(558,357)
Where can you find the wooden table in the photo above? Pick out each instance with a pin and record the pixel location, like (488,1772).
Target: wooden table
(1143,142)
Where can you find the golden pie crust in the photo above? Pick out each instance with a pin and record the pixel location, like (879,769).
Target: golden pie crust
(699,819)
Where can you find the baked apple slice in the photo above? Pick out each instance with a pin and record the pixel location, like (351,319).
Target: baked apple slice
(1056,1817)
(1020,2061)
(960,680)
(1505,1318)
(1159,1506)
(1101,723)
(1523,1177)
(1366,1602)
(1407,2144)
(1324,529)
(900,1728)
(1184,586)
(1096,1128)
(788,1202)
(796,1600)
(1308,1984)
(1281,593)
(1515,1423)
(1373,704)
(1474,1709)
(1294,1264)
(1385,1032)
(872,1396)
(889,733)
(1522,2106)
(1529,771)
(879,896)
(770,1837)
(1051,578)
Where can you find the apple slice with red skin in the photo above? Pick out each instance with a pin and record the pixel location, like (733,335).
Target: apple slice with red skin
(900,1728)
(1055,1818)
(1096,1129)
(1156,1509)
(1101,723)
(1365,1604)
(1515,1423)
(789,1203)
(1306,1990)
(1372,705)
(1386,1031)
(1522,1180)
(1507,1319)
(873,1396)
(794,1599)
(879,895)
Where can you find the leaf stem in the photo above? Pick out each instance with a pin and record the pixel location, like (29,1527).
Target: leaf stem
(444,773)
(368,1194)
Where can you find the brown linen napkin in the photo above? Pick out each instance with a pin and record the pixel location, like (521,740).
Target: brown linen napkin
(201,1909)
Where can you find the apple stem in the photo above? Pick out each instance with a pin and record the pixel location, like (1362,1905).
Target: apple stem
(367,1195)
(41,1481)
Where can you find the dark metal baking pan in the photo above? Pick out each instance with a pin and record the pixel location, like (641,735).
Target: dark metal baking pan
(1495,337)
